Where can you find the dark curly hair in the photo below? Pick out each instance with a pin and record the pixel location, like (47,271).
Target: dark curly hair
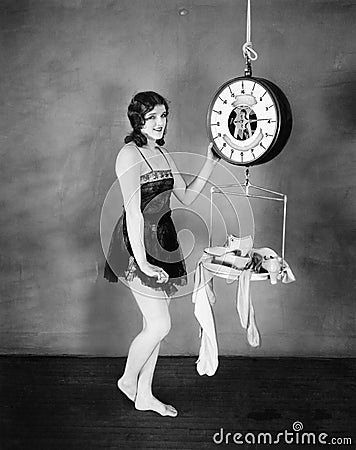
(140,105)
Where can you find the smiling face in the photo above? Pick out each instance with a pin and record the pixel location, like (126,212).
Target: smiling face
(155,123)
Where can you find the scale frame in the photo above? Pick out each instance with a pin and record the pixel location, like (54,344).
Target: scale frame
(228,189)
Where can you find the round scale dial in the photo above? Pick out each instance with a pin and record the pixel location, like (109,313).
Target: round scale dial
(249,121)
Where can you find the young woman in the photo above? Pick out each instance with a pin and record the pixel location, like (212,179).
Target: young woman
(144,248)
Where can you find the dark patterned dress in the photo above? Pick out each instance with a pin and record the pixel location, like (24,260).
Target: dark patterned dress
(160,237)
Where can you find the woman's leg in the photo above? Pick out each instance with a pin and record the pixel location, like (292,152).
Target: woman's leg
(144,349)
(144,397)
(144,386)
(144,383)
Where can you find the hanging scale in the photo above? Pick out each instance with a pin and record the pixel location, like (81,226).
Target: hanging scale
(249,119)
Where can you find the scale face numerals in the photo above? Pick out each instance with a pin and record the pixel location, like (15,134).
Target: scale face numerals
(244,120)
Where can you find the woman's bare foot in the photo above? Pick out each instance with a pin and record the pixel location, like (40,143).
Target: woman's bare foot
(153,404)
(128,389)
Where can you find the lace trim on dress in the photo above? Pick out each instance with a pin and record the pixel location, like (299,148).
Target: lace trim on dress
(169,287)
(155,175)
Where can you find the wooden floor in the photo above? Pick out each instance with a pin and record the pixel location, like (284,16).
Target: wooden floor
(73,403)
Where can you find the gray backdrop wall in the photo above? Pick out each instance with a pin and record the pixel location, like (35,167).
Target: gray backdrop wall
(68,71)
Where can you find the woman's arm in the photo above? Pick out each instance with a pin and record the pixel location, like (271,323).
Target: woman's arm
(128,171)
(188,193)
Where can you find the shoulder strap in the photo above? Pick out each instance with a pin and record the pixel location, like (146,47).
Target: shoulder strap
(143,156)
(164,156)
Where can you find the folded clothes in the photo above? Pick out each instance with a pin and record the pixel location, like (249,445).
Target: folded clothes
(258,260)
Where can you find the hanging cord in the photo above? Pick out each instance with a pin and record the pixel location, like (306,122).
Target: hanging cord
(248,52)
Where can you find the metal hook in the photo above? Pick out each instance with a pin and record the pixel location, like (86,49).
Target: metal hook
(247,180)
(248,68)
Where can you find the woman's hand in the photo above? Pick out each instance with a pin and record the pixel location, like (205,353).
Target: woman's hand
(211,155)
(155,271)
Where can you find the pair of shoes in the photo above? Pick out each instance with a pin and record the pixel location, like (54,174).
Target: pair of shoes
(237,246)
